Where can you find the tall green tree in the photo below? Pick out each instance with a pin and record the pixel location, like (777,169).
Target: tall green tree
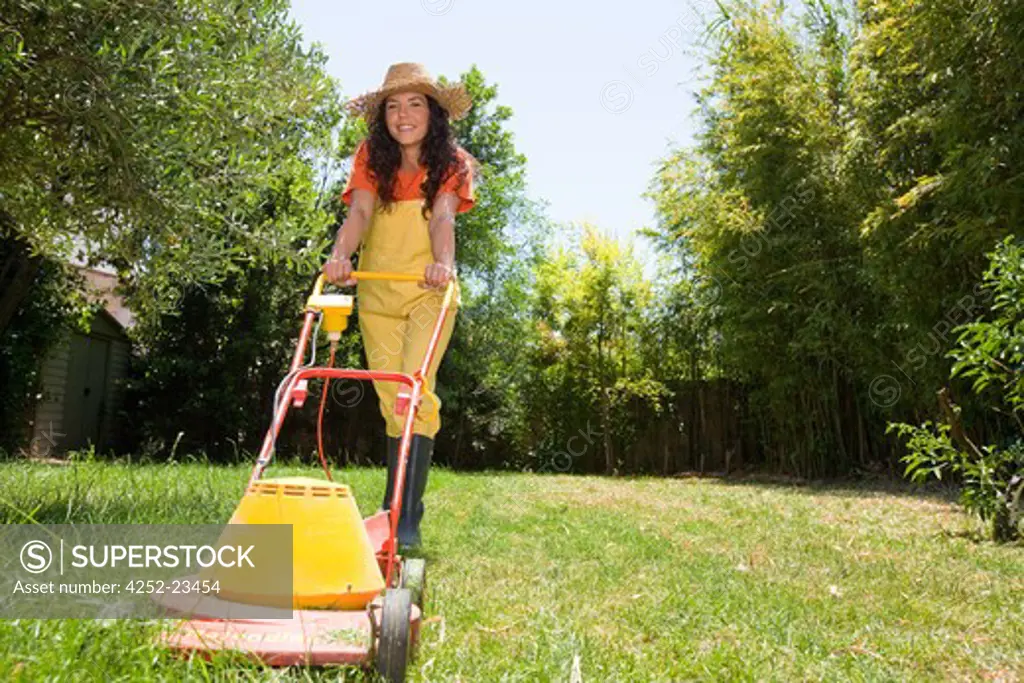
(937,143)
(481,380)
(145,131)
(990,353)
(222,346)
(587,358)
(144,134)
(760,205)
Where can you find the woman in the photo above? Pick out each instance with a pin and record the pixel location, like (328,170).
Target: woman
(408,181)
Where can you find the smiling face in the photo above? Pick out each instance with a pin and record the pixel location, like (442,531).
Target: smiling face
(407,116)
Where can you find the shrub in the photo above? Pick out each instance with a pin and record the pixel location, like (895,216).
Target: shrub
(990,353)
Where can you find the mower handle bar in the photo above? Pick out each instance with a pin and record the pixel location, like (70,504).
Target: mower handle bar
(321,280)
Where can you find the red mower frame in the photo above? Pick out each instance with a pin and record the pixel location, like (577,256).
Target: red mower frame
(293,392)
(391,621)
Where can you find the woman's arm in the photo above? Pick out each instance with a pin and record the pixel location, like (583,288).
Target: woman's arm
(350,235)
(442,240)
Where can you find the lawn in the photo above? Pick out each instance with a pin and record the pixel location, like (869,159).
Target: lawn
(538,577)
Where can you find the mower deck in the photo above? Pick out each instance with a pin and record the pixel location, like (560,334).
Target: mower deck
(309,637)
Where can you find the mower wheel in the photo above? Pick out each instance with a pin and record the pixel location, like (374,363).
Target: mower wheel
(414,577)
(393,645)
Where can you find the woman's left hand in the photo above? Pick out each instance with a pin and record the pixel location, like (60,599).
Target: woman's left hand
(436,276)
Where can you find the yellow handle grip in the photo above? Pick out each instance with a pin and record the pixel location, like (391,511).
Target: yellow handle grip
(397,277)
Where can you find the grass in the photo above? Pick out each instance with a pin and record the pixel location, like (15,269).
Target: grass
(536,577)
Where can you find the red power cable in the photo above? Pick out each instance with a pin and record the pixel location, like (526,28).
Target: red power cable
(320,420)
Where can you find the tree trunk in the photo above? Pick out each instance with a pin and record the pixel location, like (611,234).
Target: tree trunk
(457,456)
(609,461)
(861,436)
(956,428)
(703,428)
(664,446)
(837,419)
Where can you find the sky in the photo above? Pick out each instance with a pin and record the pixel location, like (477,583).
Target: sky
(599,91)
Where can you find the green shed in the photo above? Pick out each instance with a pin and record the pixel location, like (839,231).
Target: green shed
(82,378)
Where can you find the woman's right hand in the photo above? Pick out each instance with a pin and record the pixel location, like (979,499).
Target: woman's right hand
(339,271)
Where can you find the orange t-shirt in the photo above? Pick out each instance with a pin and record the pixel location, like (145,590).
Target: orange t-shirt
(407,185)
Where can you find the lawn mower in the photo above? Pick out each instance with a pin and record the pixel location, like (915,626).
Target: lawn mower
(355,600)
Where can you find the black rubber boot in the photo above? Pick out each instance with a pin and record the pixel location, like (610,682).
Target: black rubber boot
(421,450)
(392,465)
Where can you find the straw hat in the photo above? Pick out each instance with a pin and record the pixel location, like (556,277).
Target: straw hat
(409,76)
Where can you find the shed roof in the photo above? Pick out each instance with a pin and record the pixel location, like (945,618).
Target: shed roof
(101,287)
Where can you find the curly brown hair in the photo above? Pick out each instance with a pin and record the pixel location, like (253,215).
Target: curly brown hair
(438,153)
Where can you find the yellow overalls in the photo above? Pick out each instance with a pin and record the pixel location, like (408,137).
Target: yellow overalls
(397,318)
